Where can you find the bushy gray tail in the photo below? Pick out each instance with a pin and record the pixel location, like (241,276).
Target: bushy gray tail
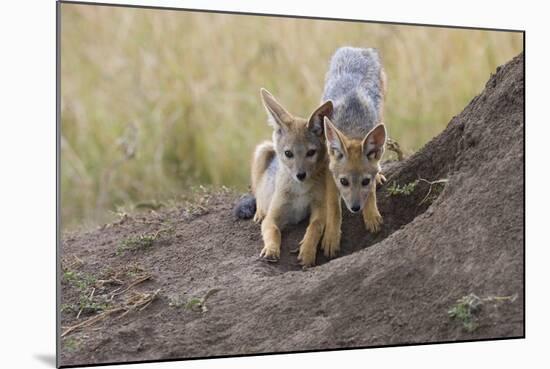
(245,208)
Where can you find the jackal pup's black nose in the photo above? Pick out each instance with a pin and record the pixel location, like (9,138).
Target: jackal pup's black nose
(301,176)
(355,208)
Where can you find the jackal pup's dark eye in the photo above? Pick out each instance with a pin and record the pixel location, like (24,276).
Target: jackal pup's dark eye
(289,154)
(344,182)
(310,153)
(365,182)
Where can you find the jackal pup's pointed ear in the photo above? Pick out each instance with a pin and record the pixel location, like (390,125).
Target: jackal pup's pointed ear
(315,123)
(278,116)
(373,144)
(335,142)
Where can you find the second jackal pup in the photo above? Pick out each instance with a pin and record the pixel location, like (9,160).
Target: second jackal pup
(288,179)
(355,134)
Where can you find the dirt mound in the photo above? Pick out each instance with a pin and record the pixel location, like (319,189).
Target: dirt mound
(211,295)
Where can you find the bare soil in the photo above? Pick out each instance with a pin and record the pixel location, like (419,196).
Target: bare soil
(395,287)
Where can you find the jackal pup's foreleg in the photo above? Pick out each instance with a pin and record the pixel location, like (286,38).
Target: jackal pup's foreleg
(314,231)
(371,215)
(271,228)
(271,235)
(331,237)
(373,148)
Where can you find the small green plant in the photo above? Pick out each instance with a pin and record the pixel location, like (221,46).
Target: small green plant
(69,276)
(199,304)
(134,270)
(82,281)
(464,311)
(194,304)
(71,344)
(142,241)
(403,190)
(68,308)
(86,286)
(88,305)
(175,302)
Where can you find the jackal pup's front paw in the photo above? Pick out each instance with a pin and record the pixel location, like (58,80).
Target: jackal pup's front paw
(373,221)
(306,258)
(331,242)
(270,253)
(307,254)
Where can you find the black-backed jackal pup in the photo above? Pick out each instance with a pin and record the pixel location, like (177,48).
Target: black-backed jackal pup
(289,176)
(355,137)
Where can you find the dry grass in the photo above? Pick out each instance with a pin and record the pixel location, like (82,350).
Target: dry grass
(136,302)
(103,300)
(155,101)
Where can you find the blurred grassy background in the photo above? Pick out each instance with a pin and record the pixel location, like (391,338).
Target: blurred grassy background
(154,102)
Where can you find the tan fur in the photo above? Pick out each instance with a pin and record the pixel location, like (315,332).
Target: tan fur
(331,238)
(354,161)
(281,210)
(371,215)
(263,155)
(349,160)
(283,200)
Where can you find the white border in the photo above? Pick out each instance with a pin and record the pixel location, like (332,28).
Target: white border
(27,149)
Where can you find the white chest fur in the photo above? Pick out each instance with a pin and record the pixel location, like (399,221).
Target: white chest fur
(298,201)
